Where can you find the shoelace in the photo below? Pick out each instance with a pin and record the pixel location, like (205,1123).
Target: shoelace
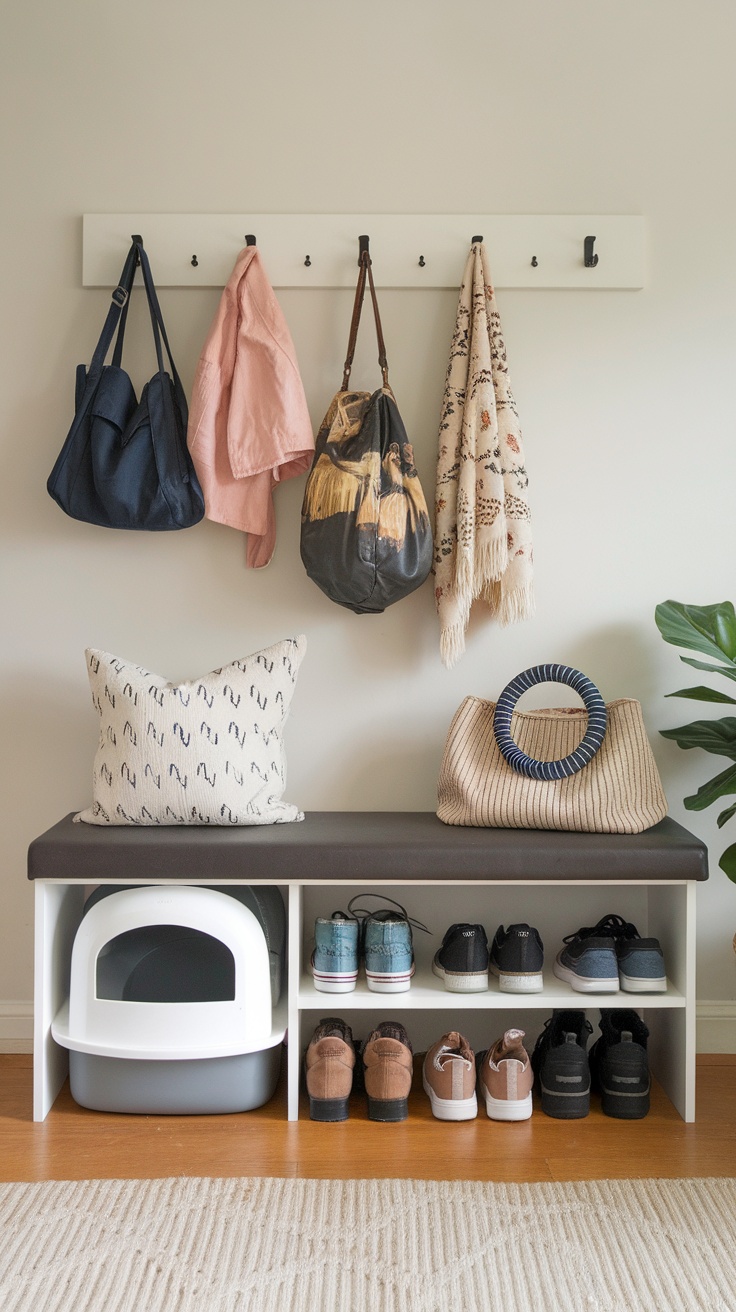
(617,927)
(610,926)
(362,914)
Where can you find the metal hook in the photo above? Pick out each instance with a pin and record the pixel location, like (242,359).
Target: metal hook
(363,244)
(421,261)
(136,237)
(535,261)
(589,259)
(476,239)
(308,262)
(250,239)
(195,262)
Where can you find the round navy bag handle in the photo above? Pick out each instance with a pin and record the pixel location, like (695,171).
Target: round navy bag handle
(584,752)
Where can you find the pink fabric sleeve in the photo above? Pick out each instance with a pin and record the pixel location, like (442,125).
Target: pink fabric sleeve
(249,426)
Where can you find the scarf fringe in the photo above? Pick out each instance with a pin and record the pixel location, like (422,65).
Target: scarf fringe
(506,607)
(510,607)
(480,569)
(452,645)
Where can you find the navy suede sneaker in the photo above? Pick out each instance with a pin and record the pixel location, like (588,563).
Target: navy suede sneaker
(640,960)
(588,961)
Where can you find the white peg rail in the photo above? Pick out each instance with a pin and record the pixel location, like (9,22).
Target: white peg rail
(397,241)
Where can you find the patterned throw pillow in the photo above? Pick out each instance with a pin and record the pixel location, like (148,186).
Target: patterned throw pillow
(207,752)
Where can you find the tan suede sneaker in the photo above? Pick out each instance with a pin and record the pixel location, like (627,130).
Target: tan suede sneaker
(388,1068)
(505,1078)
(329,1064)
(448,1076)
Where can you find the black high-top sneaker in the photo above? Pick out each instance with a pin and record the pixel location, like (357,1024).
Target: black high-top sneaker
(560,1064)
(619,1065)
(462,960)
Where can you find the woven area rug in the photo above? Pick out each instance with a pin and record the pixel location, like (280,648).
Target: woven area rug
(384,1246)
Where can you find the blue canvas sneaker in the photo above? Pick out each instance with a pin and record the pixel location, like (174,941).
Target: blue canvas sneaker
(588,961)
(335,956)
(387,944)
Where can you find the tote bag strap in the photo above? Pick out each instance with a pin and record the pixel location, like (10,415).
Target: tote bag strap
(118,306)
(118,313)
(365,269)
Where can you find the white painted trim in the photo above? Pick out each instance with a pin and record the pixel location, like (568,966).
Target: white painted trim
(716,1026)
(16,1027)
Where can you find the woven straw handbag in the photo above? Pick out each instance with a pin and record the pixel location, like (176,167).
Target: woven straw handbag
(613,788)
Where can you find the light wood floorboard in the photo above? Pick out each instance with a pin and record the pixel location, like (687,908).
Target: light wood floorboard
(74,1143)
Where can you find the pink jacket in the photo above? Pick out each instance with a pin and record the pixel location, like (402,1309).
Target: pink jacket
(249,427)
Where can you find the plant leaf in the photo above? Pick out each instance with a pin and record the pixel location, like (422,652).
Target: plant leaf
(720,786)
(716,736)
(726,815)
(712,669)
(728,862)
(703,694)
(710,629)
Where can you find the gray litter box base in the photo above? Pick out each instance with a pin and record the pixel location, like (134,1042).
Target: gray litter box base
(175,1088)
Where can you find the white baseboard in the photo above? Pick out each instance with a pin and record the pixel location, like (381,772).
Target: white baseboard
(716,1026)
(16,1027)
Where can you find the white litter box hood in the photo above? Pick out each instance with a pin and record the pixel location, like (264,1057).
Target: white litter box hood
(162,1030)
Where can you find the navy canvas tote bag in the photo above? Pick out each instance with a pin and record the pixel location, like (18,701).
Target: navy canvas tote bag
(125,462)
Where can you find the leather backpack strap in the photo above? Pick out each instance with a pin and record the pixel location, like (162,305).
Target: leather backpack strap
(365,270)
(383,362)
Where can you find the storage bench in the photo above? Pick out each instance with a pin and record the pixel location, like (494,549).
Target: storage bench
(557,881)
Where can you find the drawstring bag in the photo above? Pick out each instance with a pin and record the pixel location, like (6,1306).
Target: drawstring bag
(125,462)
(366,539)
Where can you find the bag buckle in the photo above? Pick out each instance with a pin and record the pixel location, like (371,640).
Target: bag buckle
(120,296)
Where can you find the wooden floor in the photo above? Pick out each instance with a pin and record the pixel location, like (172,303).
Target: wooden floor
(74,1144)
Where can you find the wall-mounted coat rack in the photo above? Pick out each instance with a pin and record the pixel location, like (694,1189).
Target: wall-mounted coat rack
(409,250)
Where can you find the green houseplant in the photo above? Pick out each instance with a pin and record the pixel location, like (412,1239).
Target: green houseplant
(711,630)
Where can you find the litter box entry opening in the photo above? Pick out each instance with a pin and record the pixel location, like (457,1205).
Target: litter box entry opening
(165,963)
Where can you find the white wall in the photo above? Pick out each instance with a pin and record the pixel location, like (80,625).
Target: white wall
(626,398)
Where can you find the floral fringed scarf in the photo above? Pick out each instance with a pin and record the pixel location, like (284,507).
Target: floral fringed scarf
(482,539)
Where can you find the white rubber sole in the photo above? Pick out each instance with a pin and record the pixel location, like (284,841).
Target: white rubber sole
(450,1109)
(461,982)
(389,983)
(508,983)
(334,983)
(506,1109)
(585,983)
(632,984)
(521,983)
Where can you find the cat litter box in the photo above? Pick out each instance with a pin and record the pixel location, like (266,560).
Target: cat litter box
(175,999)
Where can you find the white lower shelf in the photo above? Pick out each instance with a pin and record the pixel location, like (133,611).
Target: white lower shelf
(428,992)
